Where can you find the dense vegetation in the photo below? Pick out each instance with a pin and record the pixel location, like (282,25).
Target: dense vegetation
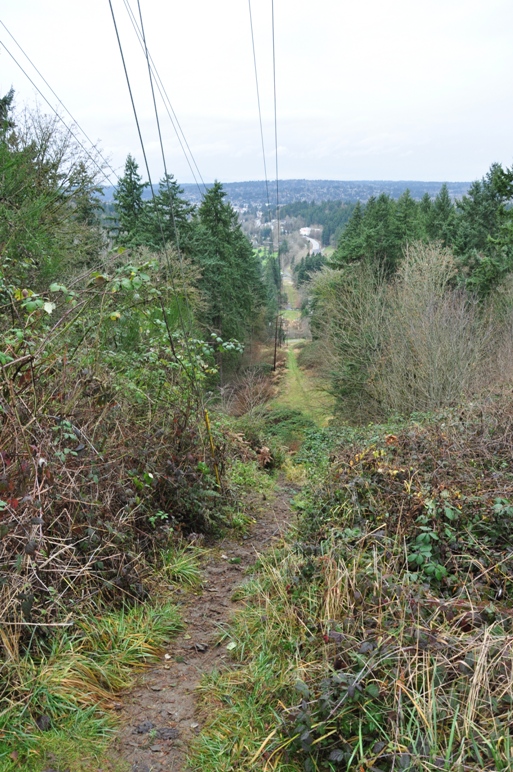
(478,228)
(307,266)
(378,635)
(414,312)
(109,341)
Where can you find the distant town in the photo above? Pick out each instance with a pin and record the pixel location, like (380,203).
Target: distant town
(255,193)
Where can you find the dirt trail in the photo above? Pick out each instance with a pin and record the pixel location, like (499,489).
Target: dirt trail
(161,715)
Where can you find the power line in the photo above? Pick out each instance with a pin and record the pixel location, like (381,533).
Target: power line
(55,111)
(191,376)
(166,177)
(276,138)
(131,96)
(186,341)
(259,107)
(277,184)
(167,102)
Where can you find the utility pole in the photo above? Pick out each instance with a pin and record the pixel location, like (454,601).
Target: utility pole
(276,341)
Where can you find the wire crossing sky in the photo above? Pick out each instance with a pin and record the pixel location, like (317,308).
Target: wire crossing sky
(379,89)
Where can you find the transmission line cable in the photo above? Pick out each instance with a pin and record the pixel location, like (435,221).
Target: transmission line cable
(62,105)
(173,217)
(259,108)
(191,376)
(186,341)
(277,190)
(199,394)
(58,99)
(276,138)
(166,177)
(167,102)
(86,151)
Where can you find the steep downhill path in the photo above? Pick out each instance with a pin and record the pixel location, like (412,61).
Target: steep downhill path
(161,716)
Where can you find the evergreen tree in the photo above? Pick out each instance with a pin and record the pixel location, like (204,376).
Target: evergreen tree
(370,235)
(231,272)
(441,220)
(379,241)
(6,103)
(350,247)
(408,221)
(307,266)
(425,206)
(481,212)
(481,239)
(169,215)
(132,225)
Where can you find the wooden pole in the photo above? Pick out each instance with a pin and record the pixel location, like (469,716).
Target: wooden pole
(275,341)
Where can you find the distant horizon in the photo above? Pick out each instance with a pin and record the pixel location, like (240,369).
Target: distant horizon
(319,179)
(294,189)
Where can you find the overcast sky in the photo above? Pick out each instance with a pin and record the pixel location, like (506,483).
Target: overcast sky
(369,89)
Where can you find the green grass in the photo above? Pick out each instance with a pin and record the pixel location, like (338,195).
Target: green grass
(292,293)
(291,314)
(74,684)
(300,391)
(246,699)
(181,565)
(338,671)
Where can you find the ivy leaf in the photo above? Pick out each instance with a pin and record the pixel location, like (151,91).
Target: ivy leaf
(49,307)
(372,690)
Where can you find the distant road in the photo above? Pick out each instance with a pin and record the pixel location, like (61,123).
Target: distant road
(316,246)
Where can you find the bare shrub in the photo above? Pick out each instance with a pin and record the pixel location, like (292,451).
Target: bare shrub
(251,390)
(436,342)
(347,324)
(418,343)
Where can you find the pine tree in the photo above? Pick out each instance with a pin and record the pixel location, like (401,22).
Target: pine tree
(379,242)
(481,238)
(441,221)
(350,247)
(231,272)
(408,223)
(6,102)
(169,215)
(131,229)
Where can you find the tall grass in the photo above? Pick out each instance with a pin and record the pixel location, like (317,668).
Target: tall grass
(348,664)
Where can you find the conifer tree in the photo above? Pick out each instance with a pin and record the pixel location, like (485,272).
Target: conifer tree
(169,215)
(131,229)
(441,221)
(231,272)
(350,246)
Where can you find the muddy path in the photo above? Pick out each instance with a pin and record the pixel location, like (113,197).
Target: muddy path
(161,715)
